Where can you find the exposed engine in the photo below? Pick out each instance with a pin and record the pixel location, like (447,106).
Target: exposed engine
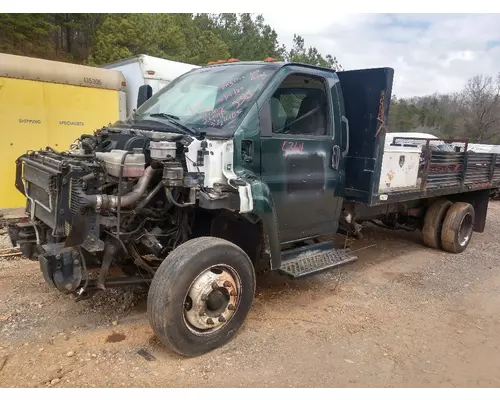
(120,197)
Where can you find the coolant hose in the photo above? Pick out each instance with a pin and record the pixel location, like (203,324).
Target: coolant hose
(105,202)
(148,198)
(175,203)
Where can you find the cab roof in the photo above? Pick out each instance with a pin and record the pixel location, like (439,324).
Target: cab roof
(279,64)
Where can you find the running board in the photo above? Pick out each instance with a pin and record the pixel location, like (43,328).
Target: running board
(306,261)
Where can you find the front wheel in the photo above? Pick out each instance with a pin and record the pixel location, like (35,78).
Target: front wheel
(200,295)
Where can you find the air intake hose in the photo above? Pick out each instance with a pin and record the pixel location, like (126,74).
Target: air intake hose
(106,202)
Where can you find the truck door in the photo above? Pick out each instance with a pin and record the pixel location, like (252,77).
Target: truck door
(301,155)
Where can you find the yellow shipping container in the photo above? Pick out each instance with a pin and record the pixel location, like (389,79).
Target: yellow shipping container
(48,103)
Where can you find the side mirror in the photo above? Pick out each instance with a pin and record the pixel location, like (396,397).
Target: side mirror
(145,92)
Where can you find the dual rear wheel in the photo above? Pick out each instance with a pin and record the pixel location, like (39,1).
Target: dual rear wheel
(448,226)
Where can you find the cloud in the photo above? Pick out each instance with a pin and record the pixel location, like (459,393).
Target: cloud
(429,52)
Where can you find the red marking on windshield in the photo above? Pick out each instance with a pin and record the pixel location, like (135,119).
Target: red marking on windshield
(212,115)
(244,97)
(233,115)
(232,82)
(219,120)
(227,96)
(254,75)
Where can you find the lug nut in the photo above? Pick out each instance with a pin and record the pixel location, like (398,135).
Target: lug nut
(227,284)
(215,286)
(233,293)
(222,319)
(231,307)
(209,321)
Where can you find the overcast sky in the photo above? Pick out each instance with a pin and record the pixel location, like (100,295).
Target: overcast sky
(429,52)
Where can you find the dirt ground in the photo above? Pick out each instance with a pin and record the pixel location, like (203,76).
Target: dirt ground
(402,316)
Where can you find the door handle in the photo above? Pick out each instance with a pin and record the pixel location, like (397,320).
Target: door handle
(335,157)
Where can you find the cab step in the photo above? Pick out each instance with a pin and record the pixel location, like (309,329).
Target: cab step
(308,260)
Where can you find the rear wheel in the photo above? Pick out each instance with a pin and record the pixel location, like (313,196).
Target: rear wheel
(458,226)
(200,295)
(433,222)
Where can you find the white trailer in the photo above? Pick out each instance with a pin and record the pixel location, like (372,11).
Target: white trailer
(147,70)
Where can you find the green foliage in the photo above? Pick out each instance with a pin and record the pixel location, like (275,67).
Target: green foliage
(97,39)
(25,34)
(473,113)
(427,114)
(124,35)
(311,55)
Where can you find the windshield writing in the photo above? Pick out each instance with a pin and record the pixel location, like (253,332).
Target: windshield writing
(211,98)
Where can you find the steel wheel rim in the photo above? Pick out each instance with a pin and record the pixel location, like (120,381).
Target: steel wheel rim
(465,230)
(212,299)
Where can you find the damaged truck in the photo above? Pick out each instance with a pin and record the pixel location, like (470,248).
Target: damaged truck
(235,168)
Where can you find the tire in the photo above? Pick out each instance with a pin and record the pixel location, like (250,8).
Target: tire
(458,227)
(433,222)
(196,261)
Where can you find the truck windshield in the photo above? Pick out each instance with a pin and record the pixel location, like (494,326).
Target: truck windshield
(207,99)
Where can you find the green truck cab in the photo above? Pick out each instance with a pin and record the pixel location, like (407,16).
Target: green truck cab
(235,168)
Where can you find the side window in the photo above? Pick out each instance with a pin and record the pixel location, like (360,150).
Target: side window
(299,106)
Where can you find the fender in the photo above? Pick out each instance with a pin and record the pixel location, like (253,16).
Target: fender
(264,208)
(261,197)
